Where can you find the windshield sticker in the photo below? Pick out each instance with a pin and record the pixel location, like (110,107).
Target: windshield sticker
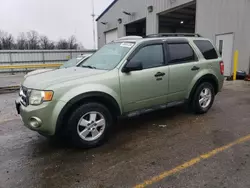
(127,45)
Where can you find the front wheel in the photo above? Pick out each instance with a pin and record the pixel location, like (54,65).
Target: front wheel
(203,98)
(90,125)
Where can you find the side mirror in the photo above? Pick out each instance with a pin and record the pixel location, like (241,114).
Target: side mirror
(132,66)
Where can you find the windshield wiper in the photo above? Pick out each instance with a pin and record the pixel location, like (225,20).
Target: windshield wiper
(88,66)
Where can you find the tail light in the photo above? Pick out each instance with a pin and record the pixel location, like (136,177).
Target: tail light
(222,67)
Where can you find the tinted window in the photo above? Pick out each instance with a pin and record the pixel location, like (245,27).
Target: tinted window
(206,49)
(150,56)
(220,46)
(72,62)
(180,53)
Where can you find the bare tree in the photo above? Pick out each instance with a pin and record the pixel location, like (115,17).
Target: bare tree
(72,42)
(51,45)
(45,43)
(7,41)
(21,43)
(62,44)
(33,40)
(1,46)
(80,46)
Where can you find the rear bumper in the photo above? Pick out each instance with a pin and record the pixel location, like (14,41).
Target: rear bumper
(221,83)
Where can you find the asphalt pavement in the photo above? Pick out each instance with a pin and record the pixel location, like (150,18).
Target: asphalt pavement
(7,80)
(142,150)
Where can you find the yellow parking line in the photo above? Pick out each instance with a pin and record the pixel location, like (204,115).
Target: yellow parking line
(191,162)
(30,66)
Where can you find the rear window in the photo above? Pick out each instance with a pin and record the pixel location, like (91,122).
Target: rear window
(180,53)
(206,49)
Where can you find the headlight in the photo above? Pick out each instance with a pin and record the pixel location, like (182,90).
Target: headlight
(37,97)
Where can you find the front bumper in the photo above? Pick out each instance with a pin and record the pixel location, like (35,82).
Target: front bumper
(47,113)
(18,104)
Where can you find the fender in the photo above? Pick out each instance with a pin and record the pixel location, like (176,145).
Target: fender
(84,92)
(88,88)
(204,74)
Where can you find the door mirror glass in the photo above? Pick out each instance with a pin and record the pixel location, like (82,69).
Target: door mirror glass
(132,66)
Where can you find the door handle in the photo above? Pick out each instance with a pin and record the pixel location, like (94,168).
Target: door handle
(195,68)
(159,74)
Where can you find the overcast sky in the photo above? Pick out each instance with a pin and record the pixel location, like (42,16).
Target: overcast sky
(54,18)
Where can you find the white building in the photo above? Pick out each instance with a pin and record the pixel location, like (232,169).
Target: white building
(226,22)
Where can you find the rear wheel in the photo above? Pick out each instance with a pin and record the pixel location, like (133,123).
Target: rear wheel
(203,98)
(90,125)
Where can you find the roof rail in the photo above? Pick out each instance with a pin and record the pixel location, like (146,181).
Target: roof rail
(130,38)
(173,35)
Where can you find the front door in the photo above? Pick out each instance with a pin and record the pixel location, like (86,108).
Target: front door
(224,44)
(147,87)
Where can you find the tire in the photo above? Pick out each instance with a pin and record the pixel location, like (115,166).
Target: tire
(198,105)
(83,129)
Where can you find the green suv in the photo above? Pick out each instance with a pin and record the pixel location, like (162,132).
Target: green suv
(127,77)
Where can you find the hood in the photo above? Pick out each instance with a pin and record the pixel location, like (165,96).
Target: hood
(38,71)
(46,79)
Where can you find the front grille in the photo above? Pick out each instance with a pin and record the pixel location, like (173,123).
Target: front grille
(24,95)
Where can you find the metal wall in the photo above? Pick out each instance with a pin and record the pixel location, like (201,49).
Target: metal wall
(139,10)
(34,57)
(215,17)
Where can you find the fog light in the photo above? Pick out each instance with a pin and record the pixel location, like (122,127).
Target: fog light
(35,122)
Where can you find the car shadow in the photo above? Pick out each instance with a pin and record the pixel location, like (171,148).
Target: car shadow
(128,139)
(123,130)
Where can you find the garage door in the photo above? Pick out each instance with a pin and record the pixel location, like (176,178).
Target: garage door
(111,36)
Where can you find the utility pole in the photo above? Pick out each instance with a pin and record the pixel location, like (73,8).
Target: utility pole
(93,17)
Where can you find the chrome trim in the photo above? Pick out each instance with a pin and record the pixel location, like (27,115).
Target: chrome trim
(23,96)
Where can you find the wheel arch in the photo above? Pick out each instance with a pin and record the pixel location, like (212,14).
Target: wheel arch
(205,78)
(99,97)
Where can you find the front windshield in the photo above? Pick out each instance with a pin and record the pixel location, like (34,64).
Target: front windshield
(71,63)
(80,63)
(108,57)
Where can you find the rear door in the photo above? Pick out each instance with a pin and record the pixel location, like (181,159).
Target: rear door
(183,67)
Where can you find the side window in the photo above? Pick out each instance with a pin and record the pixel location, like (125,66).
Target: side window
(180,53)
(206,49)
(150,56)
(220,46)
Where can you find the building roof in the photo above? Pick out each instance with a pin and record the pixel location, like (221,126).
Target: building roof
(106,10)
